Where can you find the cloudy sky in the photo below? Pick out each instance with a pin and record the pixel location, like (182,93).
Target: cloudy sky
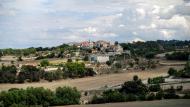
(26,23)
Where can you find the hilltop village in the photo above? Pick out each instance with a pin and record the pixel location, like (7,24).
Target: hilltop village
(101,71)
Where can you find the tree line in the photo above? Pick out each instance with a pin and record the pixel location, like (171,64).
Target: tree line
(183,73)
(135,90)
(10,74)
(39,97)
(178,56)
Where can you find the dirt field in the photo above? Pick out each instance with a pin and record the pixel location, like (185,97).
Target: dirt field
(161,103)
(90,83)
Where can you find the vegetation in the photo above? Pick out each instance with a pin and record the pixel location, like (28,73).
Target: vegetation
(54,75)
(136,90)
(44,63)
(183,73)
(154,47)
(8,74)
(29,73)
(40,96)
(75,69)
(178,56)
(156,80)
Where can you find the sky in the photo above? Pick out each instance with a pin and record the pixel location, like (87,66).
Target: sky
(34,23)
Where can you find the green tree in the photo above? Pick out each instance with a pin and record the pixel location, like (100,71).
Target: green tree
(44,63)
(172,71)
(30,72)
(134,87)
(67,95)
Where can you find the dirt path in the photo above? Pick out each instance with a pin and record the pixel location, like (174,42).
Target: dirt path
(90,83)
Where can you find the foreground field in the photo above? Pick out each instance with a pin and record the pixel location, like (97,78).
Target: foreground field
(96,82)
(161,103)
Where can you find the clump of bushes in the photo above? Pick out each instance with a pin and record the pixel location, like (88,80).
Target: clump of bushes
(156,80)
(135,90)
(154,88)
(178,56)
(183,73)
(39,97)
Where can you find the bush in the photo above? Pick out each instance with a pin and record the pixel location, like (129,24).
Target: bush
(29,72)
(142,97)
(172,71)
(131,97)
(39,97)
(150,55)
(159,95)
(150,97)
(178,56)
(44,63)
(170,93)
(97,100)
(8,74)
(154,88)
(72,70)
(67,95)
(187,95)
(134,87)
(118,65)
(156,80)
(113,96)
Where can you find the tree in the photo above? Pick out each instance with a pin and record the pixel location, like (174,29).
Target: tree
(150,55)
(135,78)
(8,74)
(118,65)
(30,72)
(39,97)
(67,95)
(172,71)
(44,63)
(85,58)
(113,96)
(72,69)
(134,87)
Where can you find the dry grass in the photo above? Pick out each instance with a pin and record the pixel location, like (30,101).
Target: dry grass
(161,103)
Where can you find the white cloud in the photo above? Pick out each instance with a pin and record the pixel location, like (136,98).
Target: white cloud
(141,12)
(49,22)
(167,34)
(90,30)
(137,40)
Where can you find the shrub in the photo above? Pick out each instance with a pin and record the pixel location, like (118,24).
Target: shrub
(142,97)
(134,87)
(113,96)
(154,88)
(97,100)
(170,93)
(150,97)
(187,95)
(159,95)
(29,72)
(131,97)
(67,95)
(44,63)
(172,71)
(156,80)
